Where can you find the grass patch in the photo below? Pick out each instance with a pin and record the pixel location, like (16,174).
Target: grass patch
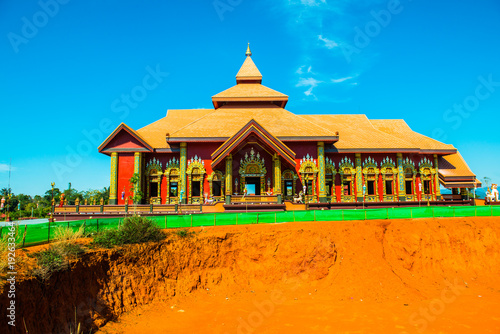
(3,253)
(184,233)
(134,230)
(57,256)
(48,262)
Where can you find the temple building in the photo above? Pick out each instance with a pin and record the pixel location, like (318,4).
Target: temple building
(250,146)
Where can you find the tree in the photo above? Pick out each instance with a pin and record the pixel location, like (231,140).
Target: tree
(134,188)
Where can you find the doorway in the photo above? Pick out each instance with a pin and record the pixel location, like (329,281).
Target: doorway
(253,185)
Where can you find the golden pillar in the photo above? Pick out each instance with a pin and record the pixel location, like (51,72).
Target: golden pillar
(359,178)
(401,178)
(138,170)
(436,178)
(277,176)
(229,178)
(321,174)
(113,184)
(182,172)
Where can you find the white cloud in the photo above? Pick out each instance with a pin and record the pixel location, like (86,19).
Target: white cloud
(308,82)
(5,168)
(341,79)
(329,44)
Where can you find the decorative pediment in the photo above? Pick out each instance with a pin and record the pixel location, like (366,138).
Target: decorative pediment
(346,166)
(408,163)
(252,165)
(172,167)
(388,163)
(330,165)
(253,128)
(154,164)
(370,162)
(196,166)
(426,166)
(308,164)
(388,166)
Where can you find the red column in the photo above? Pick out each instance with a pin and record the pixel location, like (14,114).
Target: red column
(380,188)
(419,190)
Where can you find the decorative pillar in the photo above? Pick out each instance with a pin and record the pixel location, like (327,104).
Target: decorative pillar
(113,184)
(359,178)
(401,178)
(436,178)
(277,177)
(229,178)
(464,193)
(138,171)
(321,174)
(182,172)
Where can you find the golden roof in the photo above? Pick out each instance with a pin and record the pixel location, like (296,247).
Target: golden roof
(248,71)
(399,128)
(249,88)
(225,121)
(155,133)
(250,92)
(356,133)
(454,165)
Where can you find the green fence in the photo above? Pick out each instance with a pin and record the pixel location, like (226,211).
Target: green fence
(28,235)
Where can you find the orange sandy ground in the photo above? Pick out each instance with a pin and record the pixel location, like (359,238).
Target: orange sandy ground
(366,291)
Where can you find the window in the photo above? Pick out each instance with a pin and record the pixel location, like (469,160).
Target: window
(409,181)
(196,190)
(409,187)
(289,188)
(427,187)
(329,186)
(153,189)
(217,188)
(388,187)
(173,189)
(347,188)
(370,188)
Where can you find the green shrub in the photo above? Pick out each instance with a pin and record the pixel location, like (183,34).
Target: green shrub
(134,230)
(56,257)
(65,234)
(48,262)
(183,233)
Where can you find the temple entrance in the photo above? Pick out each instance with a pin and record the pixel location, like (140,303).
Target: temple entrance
(253,185)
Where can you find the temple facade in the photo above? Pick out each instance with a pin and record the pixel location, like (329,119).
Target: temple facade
(250,146)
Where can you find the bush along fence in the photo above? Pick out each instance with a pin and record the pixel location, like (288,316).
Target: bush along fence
(28,235)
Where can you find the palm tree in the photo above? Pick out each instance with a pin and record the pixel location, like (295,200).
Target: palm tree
(5,192)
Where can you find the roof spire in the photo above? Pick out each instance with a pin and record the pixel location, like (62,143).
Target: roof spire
(248,53)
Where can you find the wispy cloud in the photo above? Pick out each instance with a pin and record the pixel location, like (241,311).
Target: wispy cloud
(308,82)
(5,168)
(300,70)
(329,44)
(340,80)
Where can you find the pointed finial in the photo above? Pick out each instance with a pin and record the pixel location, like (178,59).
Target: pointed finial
(248,53)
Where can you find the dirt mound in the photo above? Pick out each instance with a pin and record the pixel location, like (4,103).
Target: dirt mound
(314,276)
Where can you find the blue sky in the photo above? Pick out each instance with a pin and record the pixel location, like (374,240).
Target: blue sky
(67,67)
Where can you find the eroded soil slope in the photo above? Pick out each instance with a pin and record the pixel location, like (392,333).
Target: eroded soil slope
(368,276)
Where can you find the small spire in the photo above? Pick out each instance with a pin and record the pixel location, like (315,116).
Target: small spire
(248,53)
